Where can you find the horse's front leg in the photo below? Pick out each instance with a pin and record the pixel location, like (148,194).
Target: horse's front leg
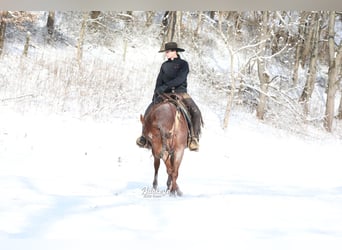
(174,189)
(168,183)
(171,183)
(156,168)
(176,161)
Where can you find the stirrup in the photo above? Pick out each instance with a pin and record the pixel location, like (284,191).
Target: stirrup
(194,146)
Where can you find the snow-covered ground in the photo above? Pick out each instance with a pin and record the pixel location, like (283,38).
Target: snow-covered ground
(70,182)
(249,187)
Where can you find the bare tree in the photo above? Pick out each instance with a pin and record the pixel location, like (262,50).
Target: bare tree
(299,45)
(172,22)
(309,40)
(339,67)
(339,116)
(334,62)
(230,98)
(178,25)
(81,38)
(310,81)
(199,23)
(220,18)
(27,44)
(149,17)
(264,77)
(3,15)
(50,24)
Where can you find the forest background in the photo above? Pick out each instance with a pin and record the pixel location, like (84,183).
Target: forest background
(284,66)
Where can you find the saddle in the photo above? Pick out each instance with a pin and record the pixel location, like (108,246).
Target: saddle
(177,100)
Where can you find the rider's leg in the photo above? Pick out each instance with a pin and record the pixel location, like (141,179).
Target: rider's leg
(196,120)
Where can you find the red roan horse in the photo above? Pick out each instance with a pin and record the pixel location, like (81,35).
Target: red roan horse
(166,131)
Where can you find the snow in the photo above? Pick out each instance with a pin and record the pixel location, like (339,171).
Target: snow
(72,177)
(78,184)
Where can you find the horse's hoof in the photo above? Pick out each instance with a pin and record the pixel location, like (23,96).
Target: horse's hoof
(175,193)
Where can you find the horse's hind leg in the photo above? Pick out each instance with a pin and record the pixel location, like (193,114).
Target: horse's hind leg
(156,168)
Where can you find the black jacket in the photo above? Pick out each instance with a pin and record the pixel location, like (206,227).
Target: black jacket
(172,76)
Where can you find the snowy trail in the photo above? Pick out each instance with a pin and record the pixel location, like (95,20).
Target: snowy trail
(63,178)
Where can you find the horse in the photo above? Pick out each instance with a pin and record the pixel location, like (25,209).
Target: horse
(166,130)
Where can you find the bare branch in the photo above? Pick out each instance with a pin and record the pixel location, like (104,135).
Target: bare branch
(17,98)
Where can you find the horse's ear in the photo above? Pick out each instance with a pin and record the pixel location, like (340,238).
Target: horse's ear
(142,118)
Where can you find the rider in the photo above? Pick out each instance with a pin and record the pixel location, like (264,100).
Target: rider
(172,78)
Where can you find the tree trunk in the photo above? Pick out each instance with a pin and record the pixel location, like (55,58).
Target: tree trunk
(149,18)
(230,99)
(199,23)
(262,73)
(81,38)
(212,14)
(3,15)
(339,116)
(220,17)
(309,37)
(329,110)
(299,47)
(310,81)
(296,64)
(238,23)
(178,27)
(170,24)
(173,26)
(27,43)
(334,62)
(339,67)
(50,24)
(165,20)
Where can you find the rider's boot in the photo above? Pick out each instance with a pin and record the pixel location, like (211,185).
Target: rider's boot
(194,144)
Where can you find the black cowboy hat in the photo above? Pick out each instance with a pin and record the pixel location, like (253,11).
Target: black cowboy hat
(171,46)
